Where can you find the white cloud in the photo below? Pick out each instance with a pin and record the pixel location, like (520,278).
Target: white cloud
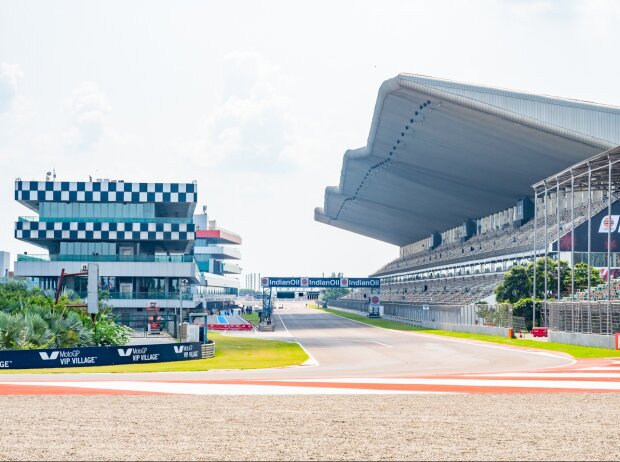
(87,106)
(10,75)
(253,128)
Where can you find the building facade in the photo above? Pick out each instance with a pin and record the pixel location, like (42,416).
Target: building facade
(215,253)
(5,262)
(141,234)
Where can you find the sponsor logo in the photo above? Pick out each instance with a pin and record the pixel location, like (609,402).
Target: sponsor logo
(344,282)
(178,349)
(264,281)
(374,300)
(363,282)
(126,352)
(49,356)
(5,364)
(304,282)
(293,282)
(609,224)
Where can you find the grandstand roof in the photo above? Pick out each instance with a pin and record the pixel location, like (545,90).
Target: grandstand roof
(577,174)
(440,152)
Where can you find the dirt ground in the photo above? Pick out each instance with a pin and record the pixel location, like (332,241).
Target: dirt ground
(413,427)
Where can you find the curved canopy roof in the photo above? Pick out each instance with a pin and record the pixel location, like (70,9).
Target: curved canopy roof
(440,152)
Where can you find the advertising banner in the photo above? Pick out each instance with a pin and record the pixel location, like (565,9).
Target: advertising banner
(601,225)
(99,356)
(352,283)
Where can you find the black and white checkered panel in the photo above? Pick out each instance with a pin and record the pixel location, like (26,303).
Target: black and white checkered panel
(91,231)
(106,191)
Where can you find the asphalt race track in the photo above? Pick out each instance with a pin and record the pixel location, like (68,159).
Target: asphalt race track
(366,394)
(353,358)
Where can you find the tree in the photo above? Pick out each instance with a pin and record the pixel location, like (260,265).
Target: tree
(581,276)
(523,308)
(30,319)
(552,276)
(517,284)
(334,293)
(518,281)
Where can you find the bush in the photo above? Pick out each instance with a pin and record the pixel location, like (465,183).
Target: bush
(107,332)
(29,319)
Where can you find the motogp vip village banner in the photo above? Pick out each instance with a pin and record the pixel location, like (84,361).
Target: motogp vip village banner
(99,356)
(351,283)
(601,225)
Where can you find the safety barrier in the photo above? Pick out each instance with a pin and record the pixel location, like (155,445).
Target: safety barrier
(208,349)
(587,317)
(229,326)
(99,356)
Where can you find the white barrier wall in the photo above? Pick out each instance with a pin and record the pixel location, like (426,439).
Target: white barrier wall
(501,331)
(591,340)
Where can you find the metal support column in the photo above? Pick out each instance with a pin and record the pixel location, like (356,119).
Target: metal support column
(543,322)
(267,308)
(589,245)
(589,225)
(609,221)
(557,227)
(572,247)
(534,258)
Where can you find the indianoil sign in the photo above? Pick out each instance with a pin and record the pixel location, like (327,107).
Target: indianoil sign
(302,281)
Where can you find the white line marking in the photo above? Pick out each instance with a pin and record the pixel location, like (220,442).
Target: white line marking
(222,389)
(535,375)
(580,384)
(481,343)
(285,328)
(372,341)
(311,361)
(598,368)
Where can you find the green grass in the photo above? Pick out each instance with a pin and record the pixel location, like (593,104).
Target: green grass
(230,353)
(253,318)
(576,351)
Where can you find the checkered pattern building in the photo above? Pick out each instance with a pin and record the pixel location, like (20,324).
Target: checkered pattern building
(105,191)
(95,231)
(126,228)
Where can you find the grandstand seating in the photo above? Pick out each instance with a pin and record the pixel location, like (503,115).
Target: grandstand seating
(455,291)
(510,240)
(599,292)
(466,288)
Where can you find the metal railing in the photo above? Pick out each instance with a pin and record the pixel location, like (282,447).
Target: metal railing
(594,317)
(109,258)
(144,295)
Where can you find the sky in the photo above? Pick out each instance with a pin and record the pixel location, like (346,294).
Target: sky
(258,100)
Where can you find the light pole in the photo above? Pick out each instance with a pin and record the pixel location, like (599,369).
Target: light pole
(180,302)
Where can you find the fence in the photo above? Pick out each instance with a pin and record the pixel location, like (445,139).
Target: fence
(584,317)
(144,325)
(471,315)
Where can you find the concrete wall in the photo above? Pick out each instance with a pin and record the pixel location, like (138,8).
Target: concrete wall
(501,331)
(591,340)
(487,330)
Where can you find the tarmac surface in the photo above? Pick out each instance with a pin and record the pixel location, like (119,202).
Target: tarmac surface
(366,394)
(342,348)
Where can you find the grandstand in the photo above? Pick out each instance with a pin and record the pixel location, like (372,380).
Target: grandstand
(447,176)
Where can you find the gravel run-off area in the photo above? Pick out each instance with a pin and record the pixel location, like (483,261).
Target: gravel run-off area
(389,427)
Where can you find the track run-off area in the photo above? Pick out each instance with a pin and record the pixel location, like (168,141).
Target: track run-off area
(349,357)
